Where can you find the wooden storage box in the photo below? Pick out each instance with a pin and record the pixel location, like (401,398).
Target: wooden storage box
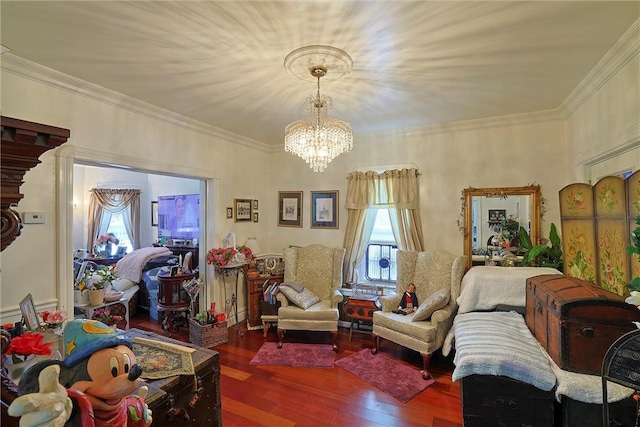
(209,335)
(173,397)
(497,401)
(575,321)
(269,309)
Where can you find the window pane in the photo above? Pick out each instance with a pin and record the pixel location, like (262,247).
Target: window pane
(116,226)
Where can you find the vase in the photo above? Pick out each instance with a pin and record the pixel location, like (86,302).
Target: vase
(96,296)
(81,297)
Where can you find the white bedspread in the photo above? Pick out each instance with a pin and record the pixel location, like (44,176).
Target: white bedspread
(484,287)
(130,266)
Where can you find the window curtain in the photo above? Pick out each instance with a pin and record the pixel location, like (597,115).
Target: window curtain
(104,202)
(395,190)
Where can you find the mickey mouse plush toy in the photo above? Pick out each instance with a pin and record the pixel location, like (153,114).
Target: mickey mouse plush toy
(96,383)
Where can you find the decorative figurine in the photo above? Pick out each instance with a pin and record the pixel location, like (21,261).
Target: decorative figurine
(95,382)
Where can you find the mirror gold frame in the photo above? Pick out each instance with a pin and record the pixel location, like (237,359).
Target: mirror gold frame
(500,192)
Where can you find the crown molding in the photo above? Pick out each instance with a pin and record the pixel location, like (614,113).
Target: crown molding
(625,49)
(625,140)
(32,71)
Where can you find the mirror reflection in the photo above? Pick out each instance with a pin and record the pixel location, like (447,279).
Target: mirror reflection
(492,218)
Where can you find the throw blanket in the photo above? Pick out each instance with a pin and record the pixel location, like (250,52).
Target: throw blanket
(484,287)
(130,266)
(499,343)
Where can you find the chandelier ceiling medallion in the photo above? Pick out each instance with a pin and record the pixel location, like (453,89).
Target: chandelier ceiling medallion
(318,139)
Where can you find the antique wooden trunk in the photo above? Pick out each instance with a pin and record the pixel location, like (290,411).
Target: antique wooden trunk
(575,321)
(572,413)
(497,401)
(185,399)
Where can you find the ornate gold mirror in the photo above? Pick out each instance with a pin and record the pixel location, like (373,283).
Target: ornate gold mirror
(484,210)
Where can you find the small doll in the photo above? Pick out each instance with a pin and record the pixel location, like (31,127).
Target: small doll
(409,301)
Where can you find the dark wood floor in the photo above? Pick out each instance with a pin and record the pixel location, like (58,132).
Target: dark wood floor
(282,396)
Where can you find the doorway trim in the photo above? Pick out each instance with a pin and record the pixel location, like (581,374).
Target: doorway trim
(66,157)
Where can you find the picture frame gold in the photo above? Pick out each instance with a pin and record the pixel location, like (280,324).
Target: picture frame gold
(290,209)
(324,209)
(29,313)
(243,211)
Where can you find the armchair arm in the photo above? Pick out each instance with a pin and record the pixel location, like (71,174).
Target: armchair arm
(441,315)
(390,302)
(336,298)
(283,299)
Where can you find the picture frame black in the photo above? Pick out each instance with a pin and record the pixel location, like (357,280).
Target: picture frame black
(229,212)
(29,313)
(324,209)
(254,205)
(255,217)
(242,208)
(154,213)
(290,209)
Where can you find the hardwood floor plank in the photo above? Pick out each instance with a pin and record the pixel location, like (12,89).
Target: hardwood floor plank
(284,396)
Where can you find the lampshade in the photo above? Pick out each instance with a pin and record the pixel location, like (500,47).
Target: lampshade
(252,243)
(318,139)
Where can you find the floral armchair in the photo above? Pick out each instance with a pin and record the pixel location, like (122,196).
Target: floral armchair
(437,276)
(317,269)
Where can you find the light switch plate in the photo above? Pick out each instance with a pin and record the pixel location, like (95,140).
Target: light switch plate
(33,217)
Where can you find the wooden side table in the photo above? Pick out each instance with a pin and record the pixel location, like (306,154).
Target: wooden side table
(172,297)
(255,296)
(360,308)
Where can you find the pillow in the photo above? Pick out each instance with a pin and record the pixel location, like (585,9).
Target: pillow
(121,284)
(436,301)
(304,299)
(297,286)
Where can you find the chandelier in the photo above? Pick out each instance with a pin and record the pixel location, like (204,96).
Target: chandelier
(318,139)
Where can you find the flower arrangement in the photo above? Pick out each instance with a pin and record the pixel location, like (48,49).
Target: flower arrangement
(107,238)
(53,317)
(105,316)
(221,257)
(101,277)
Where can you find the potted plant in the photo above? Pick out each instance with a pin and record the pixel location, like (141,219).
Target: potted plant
(98,280)
(541,255)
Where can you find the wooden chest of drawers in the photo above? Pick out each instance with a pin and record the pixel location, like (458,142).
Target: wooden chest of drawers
(255,296)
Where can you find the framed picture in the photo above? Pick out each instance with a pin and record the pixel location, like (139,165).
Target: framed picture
(324,209)
(255,217)
(154,214)
(289,208)
(497,214)
(243,209)
(255,205)
(29,313)
(229,212)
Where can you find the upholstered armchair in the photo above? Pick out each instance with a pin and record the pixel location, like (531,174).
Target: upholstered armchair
(319,270)
(437,276)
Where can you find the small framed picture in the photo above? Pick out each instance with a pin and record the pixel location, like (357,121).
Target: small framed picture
(255,217)
(243,209)
(324,209)
(29,313)
(154,214)
(229,212)
(255,205)
(290,209)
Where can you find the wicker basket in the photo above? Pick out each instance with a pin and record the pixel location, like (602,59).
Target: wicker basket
(209,335)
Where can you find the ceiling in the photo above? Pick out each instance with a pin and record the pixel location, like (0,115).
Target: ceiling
(415,63)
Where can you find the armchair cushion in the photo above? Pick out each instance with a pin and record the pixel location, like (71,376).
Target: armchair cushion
(304,299)
(436,301)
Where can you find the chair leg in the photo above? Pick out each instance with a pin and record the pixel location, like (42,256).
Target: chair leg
(426,359)
(280,336)
(335,340)
(376,343)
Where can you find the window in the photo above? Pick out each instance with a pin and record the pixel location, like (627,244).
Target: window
(116,226)
(380,261)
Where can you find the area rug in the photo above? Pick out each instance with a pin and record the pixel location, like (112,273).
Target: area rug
(161,359)
(385,373)
(296,355)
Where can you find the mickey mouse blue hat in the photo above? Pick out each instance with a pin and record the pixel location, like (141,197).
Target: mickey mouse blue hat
(83,337)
